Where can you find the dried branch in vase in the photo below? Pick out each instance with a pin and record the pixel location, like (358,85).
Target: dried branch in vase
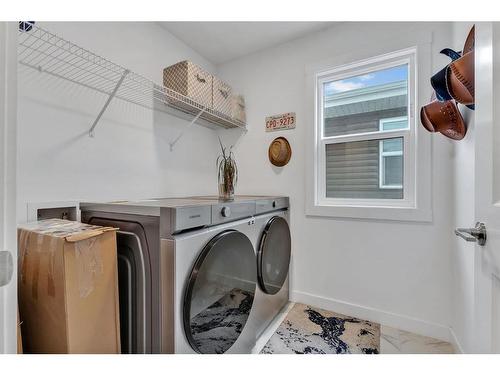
(227,173)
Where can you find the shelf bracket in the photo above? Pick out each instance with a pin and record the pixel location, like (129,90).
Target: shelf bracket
(172,144)
(111,96)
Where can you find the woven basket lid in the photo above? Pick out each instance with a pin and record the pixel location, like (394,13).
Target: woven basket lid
(280,152)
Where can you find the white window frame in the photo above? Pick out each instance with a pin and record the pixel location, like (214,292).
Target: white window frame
(384,121)
(416,204)
(383,154)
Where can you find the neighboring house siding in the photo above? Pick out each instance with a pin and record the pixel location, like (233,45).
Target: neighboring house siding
(347,109)
(359,123)
(352,169)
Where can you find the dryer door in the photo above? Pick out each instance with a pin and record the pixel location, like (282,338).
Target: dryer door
(273,256)
(220,293)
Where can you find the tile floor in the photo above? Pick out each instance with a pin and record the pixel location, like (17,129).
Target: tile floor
(392,340)
(395,341)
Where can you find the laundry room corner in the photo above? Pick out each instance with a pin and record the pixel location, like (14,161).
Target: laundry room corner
(349,265)
(250,183)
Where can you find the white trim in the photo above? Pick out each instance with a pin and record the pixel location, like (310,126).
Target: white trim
(365,66)
(399,321)
(383,121)
(419,208)
(8,153)
(486,116)
(368,136)
(381,169)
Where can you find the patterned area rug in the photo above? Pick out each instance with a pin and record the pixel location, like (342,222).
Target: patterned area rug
(216,328)
(309,330)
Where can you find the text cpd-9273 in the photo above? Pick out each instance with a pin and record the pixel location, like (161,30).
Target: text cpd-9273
(280,122)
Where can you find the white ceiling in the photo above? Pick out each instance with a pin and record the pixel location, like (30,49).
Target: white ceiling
(220,42)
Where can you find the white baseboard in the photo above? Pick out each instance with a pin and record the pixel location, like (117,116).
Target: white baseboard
(403,322)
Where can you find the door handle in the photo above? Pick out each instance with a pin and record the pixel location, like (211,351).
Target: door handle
(476,234)
(6,267)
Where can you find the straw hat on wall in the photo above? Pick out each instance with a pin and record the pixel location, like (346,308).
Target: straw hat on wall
(280,152)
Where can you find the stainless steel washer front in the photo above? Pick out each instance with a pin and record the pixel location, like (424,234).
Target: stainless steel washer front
(217,303)
(273,255)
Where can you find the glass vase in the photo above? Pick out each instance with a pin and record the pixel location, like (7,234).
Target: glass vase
(226,182)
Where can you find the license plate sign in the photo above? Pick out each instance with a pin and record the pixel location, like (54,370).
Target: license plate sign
(280,122)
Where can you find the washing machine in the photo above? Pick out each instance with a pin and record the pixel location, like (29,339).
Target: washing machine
(271,238)
(273,253)
(195,274)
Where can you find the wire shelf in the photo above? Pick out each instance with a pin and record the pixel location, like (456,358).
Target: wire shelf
(48,53)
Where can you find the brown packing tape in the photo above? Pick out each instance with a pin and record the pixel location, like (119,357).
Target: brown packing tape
(89,262)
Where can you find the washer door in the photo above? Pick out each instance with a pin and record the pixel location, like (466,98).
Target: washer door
(273,257)
(220,293)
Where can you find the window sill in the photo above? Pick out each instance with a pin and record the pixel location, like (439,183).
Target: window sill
(394,213)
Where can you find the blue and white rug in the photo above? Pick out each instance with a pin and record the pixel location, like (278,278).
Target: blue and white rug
(216,328)
(309,330)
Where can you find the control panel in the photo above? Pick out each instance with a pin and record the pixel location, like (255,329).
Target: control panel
(229,211)
(226,211)
(268,205)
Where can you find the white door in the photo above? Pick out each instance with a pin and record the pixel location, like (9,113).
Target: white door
(487,188)
(8,99)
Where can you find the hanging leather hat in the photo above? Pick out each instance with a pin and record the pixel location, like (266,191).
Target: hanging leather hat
(438,80)
(460,73)
(460,79)
(445,118)
(456,80)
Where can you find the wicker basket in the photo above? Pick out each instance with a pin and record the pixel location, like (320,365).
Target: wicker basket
(189,80)
(238,108)
(221,97)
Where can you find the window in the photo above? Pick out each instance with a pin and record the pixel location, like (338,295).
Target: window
(365,140)
(364,126)
(391,154)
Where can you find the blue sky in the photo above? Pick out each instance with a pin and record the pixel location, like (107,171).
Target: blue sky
(380,77)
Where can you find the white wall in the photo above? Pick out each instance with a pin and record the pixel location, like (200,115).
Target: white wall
(398,273)
(130,155)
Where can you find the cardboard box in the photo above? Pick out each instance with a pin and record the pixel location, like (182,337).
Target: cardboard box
(68,288)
